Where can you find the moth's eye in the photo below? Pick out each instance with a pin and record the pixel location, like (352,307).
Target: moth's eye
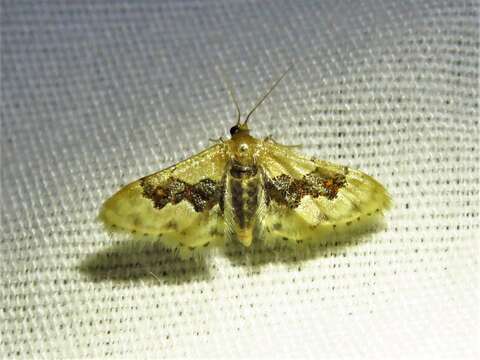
(243,148)
(234,130)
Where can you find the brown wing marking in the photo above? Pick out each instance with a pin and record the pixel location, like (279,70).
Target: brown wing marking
(203,195)
(286,190)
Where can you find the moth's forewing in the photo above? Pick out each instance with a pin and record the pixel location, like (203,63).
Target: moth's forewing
(328,197)
(154,206)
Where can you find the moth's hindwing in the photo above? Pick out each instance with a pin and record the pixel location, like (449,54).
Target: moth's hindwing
(180,205)
(308,198)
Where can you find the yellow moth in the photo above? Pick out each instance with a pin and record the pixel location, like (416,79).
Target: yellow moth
(245,189)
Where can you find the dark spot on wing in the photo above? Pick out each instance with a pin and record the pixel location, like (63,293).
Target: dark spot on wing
(172,225)
(215,231)
(286,190)
(203,195)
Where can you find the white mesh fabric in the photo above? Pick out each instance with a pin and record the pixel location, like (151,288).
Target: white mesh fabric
(98,94)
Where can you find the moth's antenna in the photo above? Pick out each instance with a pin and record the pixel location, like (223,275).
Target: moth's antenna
(259,102)
(229,87)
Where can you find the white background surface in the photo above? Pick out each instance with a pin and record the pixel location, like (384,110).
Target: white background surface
(96,94)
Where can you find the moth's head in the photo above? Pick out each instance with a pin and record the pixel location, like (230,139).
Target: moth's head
(240,129)
(242,145)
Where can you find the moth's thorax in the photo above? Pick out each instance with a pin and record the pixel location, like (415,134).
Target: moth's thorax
(243,148)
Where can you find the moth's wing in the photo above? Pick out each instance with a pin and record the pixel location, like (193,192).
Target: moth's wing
(352,198)
(177,223)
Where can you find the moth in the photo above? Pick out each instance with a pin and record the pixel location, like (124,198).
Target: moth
(245,189)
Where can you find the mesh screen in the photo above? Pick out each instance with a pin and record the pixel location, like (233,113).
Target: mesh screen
(99,93)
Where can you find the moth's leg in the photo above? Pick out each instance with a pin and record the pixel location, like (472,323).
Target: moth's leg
(219,140)
(270,139)
(295,146)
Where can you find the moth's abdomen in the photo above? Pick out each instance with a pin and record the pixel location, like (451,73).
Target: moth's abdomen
(242,201)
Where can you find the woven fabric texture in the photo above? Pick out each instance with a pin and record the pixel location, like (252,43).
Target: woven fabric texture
(96,94)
